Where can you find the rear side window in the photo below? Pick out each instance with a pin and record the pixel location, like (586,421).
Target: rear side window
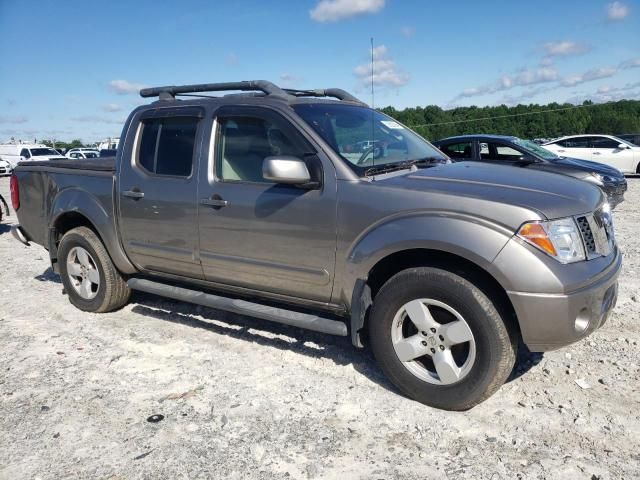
(166,146)
(25,153)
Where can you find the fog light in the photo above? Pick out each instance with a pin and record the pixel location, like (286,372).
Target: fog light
(582,321)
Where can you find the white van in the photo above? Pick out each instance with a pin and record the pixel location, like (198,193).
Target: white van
(18,152)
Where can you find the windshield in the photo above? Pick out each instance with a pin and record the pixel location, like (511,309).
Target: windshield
(43,152)
(366,138)
(536,150)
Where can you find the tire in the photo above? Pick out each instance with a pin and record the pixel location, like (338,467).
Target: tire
(107,291)
(481,363)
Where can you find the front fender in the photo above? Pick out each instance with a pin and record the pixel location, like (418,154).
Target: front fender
(98,211)
(474,239)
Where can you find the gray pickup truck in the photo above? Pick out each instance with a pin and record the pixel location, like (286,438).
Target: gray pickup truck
(266,203)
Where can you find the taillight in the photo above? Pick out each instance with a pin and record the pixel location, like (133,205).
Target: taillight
(15,192)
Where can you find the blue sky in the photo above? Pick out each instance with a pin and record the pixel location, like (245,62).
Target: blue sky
(72,69)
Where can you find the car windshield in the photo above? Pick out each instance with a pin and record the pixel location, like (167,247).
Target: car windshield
(536,150)
(366,138)
(43,152)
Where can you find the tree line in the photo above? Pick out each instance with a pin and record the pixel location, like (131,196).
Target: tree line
(525,121)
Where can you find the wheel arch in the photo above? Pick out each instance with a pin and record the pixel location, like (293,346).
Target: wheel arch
(74,208)
(365,291)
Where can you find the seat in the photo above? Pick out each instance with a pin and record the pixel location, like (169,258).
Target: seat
(243,153)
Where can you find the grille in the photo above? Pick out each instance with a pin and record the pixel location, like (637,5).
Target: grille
(587,235)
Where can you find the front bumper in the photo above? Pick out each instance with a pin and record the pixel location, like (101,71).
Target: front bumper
(615,193)
(551,321)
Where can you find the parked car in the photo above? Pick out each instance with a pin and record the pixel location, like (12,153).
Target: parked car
(513,151)
(633,138)
(247,203)
(83,153)
(605,149)
(14,153)
(5,168)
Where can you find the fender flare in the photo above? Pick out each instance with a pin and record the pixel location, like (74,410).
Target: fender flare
(78,201)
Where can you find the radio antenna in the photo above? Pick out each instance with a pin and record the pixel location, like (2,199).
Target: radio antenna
(373,139)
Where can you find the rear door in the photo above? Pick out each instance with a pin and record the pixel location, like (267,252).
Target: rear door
(605,150)
(257,234)
(157,191)
(577,147)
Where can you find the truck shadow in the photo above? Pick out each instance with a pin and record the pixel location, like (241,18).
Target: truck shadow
(283,337)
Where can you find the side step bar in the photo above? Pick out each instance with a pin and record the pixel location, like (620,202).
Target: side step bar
(242,307)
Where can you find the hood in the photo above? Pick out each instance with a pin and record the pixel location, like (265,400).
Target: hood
(548,194)
(39,158)
(588,167)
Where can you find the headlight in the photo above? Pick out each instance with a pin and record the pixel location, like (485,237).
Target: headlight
(559,239)
(595,178)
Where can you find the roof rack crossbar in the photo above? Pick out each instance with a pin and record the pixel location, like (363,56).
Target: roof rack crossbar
(327,92)
(253,85)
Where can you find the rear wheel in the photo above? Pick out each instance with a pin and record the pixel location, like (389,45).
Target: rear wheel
(440,339)
(90,279)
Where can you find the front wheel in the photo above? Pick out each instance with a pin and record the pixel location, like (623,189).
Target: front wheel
(90,279)
(440,339)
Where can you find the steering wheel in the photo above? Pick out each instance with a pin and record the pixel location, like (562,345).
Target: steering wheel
(377,153)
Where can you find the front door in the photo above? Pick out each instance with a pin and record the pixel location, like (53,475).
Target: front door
(605,150)
(158,193)
(257,234)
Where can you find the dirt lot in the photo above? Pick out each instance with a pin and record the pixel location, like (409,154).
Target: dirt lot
(242,398)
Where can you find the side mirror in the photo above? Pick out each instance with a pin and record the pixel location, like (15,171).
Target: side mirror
(623,146)
(286,169)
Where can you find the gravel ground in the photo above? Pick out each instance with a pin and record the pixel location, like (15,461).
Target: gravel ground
(242,398)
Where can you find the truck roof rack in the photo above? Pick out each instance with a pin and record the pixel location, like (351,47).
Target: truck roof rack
(260,87)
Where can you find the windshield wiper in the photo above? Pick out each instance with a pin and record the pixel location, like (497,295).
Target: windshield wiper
(386,168)
(426,161)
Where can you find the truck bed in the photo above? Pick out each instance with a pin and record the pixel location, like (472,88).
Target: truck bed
(102,164)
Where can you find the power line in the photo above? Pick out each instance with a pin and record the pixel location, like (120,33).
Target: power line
(507,116)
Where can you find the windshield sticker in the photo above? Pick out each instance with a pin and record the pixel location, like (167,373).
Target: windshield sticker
(392,124)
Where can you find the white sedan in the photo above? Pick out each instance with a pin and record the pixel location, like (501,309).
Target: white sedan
(5,168)
(605,149)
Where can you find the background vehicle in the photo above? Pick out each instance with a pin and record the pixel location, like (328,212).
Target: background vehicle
(105,152)
(441,269)
(633,138)
(83,153)
(5,168)
(14,153)
(507,150)
(605,149)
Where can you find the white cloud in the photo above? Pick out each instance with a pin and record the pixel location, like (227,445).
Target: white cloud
(617,11)
(385,71)
(335,10)
(289,80)
(123,87)
(589,76)
(628,64)
(564,48)
(14,120)
(408,31)
(524,77)
(111,107)
(630,91)
(98,119)
(231,59)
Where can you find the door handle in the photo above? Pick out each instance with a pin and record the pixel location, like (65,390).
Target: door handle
(133,193)
(597,153)
(215,201)
(561,151)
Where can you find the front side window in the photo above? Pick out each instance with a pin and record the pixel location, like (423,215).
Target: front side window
(604,142)
(366,138)
(458,151)
(166,146)
(243,142)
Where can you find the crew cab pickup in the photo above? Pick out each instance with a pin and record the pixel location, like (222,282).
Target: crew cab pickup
(257,203)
